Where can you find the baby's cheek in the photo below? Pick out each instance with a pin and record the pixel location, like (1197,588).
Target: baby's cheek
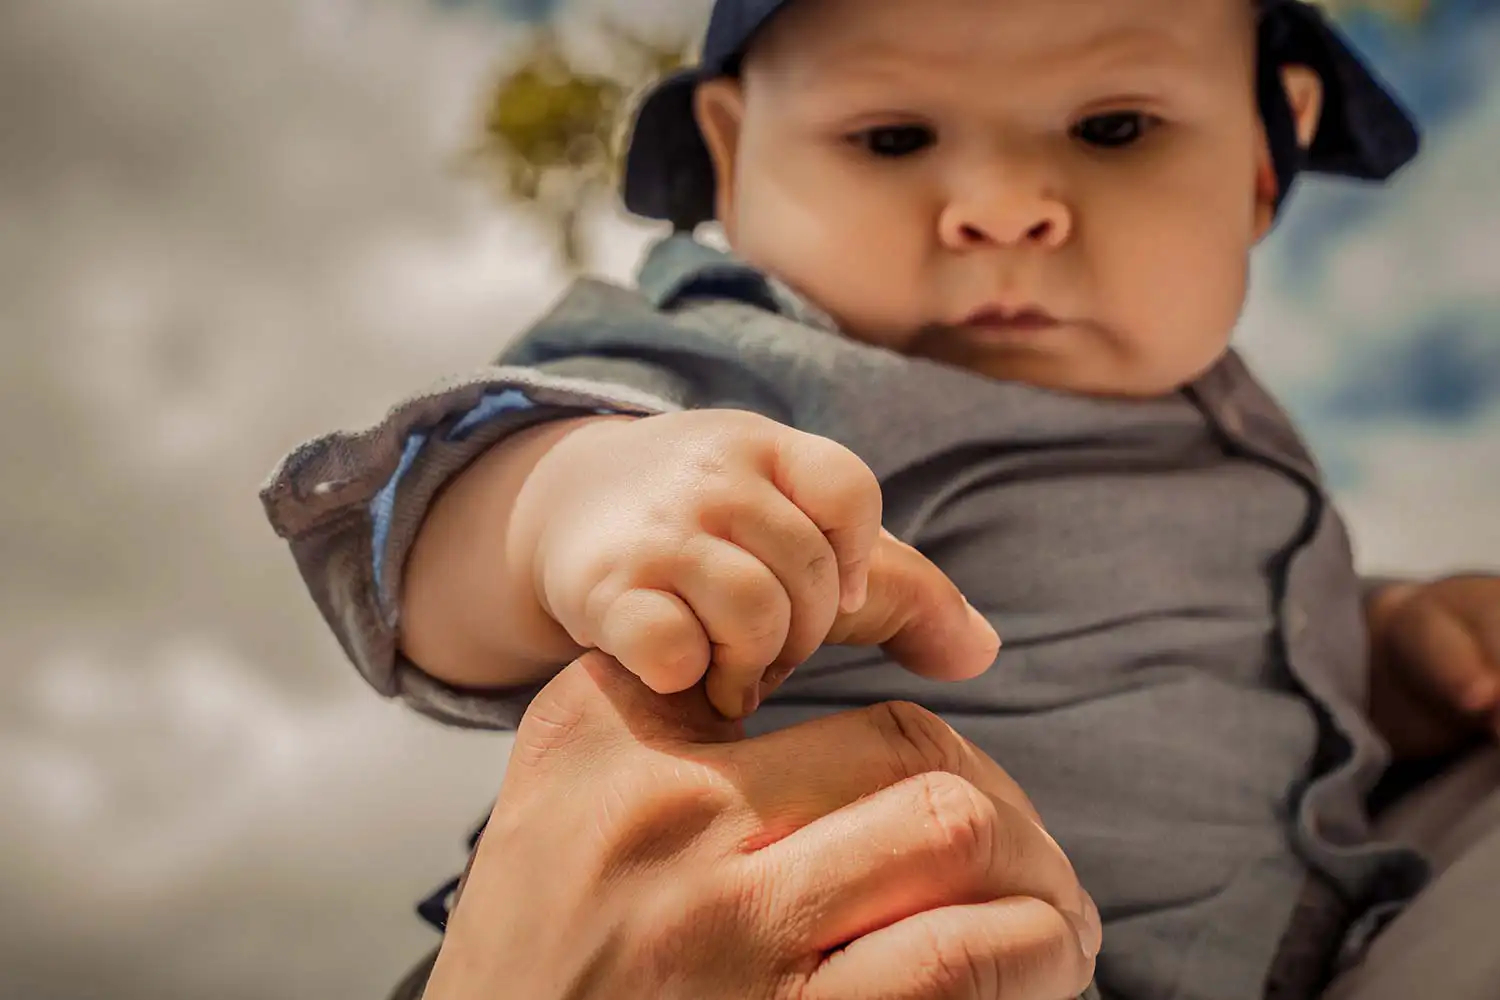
(1176,310)
(872,301)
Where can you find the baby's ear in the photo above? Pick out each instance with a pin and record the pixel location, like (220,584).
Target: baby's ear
(1304,92)
(719,106)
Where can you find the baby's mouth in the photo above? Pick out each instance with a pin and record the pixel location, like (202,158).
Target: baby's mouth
(993,320)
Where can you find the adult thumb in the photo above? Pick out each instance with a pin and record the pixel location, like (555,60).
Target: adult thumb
(918,616)
(594,709)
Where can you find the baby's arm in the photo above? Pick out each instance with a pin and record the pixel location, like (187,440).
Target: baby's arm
(349,504)
(710,542)
(470,612)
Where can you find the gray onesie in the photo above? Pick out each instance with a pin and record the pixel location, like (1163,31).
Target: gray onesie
(1184,667)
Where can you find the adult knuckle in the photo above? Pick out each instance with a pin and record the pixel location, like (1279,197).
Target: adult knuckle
(919,740)
(963,822)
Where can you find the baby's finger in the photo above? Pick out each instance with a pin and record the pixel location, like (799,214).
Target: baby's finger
(779,534)
(1443,663)
(745,611)
(918,616)
(656,636)
(842,496)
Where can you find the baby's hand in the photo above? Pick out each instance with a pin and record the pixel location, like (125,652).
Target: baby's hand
(721,543)
(1436,663)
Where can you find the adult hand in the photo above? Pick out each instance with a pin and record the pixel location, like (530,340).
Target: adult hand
(640,848)
(1435,663)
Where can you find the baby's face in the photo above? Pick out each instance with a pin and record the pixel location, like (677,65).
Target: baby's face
(1060,192)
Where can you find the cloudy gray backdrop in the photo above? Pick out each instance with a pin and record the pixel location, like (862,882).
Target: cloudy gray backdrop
(227,225)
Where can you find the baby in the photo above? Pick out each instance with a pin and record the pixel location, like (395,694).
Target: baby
(987,257)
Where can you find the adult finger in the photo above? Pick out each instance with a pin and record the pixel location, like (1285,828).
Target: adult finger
(1008,949)
(791,777)
(918,616)
(841,495)
(930,841)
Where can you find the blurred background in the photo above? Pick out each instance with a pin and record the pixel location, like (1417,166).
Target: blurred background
(227,226)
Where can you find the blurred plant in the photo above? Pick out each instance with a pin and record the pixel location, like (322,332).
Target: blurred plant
(552,132)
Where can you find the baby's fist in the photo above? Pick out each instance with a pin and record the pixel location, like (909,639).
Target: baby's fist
(713,542)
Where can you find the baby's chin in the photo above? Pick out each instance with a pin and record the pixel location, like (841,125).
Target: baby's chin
(1101,379)
(1077,359)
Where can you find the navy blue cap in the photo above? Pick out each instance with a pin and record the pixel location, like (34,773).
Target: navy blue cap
(1365,133)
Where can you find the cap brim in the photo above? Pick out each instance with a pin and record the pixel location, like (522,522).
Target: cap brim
(1364,133)
(668,172)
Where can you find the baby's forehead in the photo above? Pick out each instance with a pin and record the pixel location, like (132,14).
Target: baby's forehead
(837,38)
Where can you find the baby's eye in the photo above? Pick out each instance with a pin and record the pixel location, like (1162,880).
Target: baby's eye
(1114,130)
(894,141)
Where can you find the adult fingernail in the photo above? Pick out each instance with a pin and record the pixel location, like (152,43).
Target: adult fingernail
(750,702)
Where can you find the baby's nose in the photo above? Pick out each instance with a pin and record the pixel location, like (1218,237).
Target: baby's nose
(1006,215)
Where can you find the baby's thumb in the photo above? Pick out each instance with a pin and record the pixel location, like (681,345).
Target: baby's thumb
(918,616)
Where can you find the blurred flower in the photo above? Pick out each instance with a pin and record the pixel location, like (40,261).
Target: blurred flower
(552,131)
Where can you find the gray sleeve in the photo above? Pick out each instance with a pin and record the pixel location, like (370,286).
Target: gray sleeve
(321,499)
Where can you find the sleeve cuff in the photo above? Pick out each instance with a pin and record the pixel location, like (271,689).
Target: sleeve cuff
(349,504)
(494,405)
